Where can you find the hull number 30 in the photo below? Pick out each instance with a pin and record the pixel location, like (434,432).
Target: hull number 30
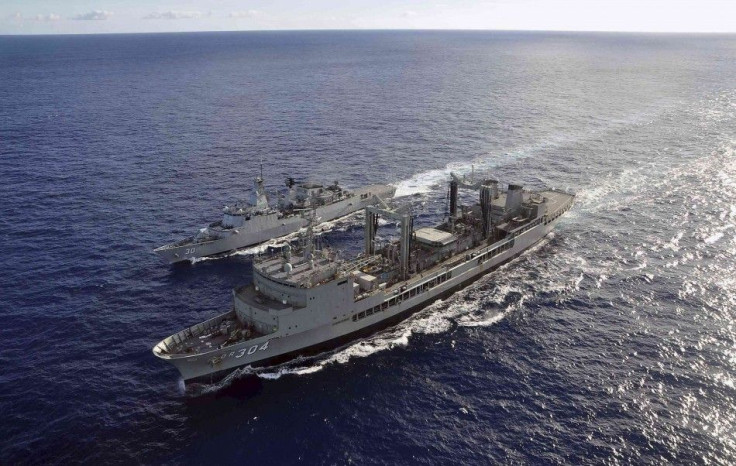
(190,250)
(252,350)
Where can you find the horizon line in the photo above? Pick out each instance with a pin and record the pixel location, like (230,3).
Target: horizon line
(604,31)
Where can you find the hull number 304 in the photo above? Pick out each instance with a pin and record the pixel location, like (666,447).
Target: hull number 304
(252,350)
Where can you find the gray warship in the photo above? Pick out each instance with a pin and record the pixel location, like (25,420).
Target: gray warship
(246,223)
(307,300)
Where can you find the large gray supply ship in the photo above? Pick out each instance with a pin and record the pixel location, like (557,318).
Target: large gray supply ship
(255,221)
(306,301)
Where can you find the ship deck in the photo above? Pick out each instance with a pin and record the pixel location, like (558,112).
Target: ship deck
(556,200)
(304,273)
(222,331)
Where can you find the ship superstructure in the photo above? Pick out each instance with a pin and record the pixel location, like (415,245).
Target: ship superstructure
(246,223)
(306,299)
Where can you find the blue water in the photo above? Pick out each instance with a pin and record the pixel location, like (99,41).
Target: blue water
(612,342)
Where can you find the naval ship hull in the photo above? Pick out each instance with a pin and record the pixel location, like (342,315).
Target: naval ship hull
(280,346)
(263,228)
(342,340)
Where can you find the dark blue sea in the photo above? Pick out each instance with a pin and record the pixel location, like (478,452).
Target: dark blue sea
(612,342)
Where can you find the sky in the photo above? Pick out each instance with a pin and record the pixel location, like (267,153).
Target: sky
(120,16)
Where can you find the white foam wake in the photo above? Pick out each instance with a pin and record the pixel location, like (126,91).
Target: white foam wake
(431,180)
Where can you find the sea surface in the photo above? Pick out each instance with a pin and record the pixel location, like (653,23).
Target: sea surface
(612,342)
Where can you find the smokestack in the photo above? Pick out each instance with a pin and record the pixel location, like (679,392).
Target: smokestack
(486,199)
(514,197)
(453,198)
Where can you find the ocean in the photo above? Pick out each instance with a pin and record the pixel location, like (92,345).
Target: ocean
(611,342)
